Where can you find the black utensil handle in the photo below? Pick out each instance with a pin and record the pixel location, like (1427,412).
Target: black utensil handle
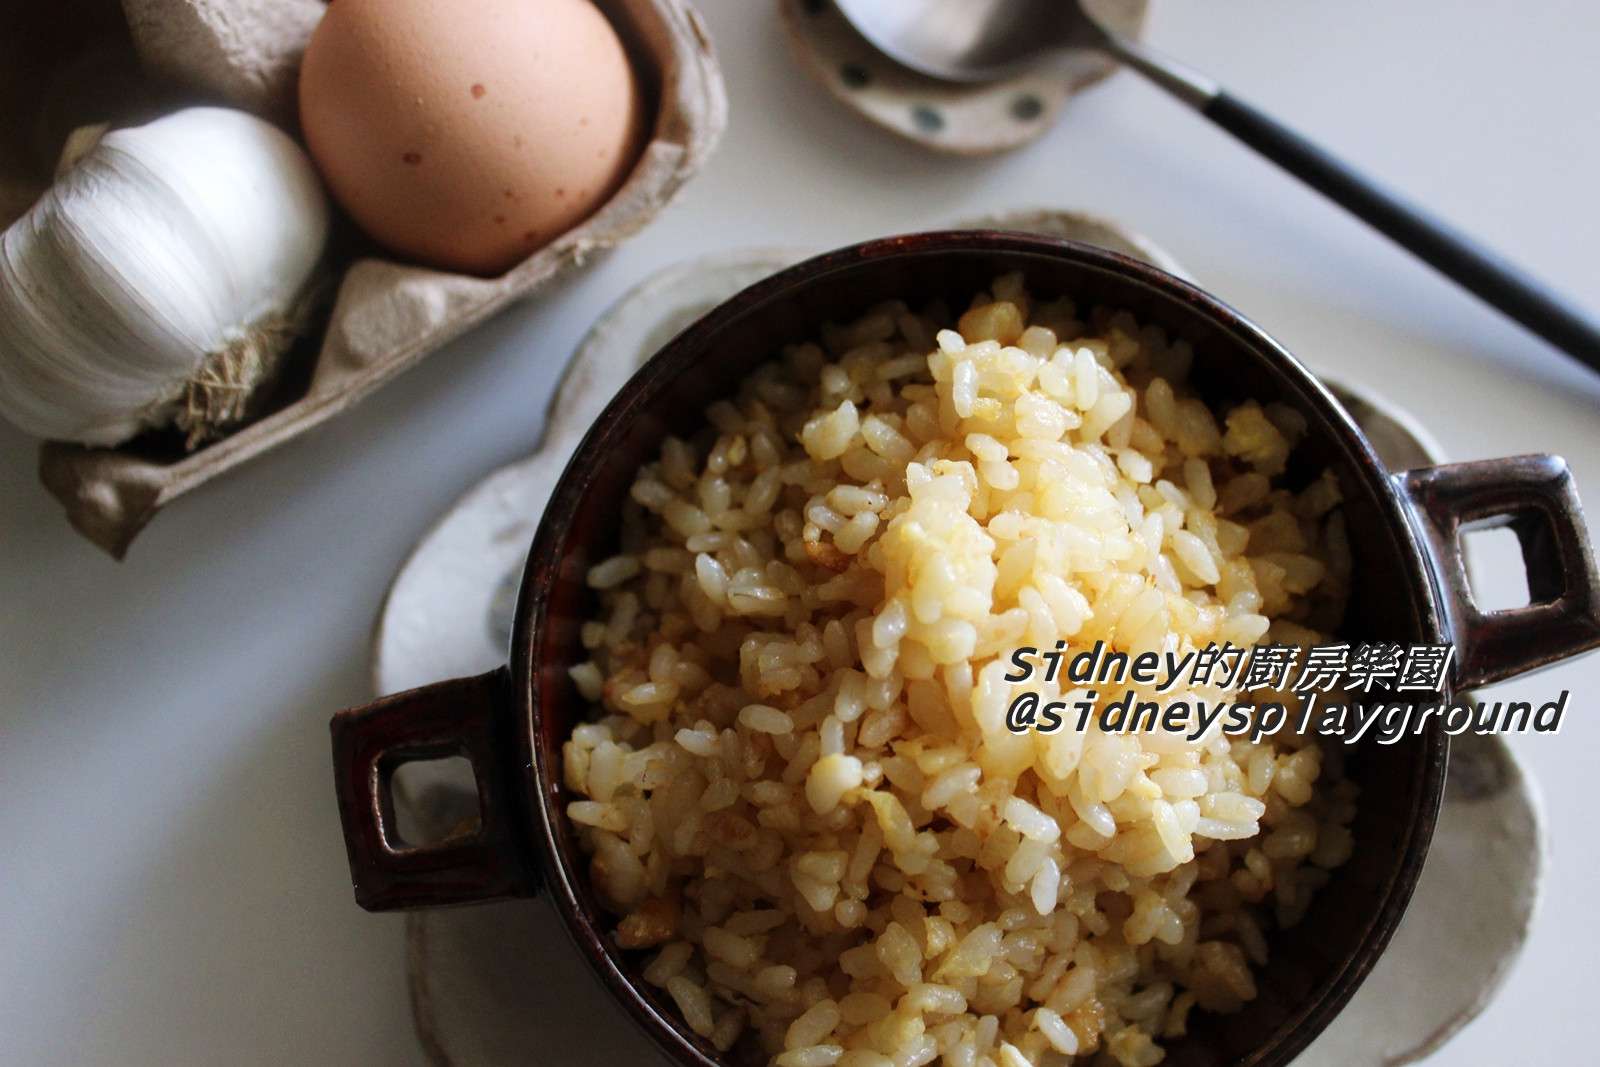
(1502,284)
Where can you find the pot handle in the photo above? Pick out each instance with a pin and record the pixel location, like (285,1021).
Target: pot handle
(1536,497)
(468,717)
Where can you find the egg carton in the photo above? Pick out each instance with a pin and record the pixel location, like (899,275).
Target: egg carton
(77,62)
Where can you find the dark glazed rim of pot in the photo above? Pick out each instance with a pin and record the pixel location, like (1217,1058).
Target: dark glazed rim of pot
(496,716)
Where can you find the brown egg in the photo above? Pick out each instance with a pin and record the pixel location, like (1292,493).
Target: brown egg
(465,135)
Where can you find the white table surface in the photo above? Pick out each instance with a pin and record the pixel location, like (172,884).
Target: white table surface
(173,887)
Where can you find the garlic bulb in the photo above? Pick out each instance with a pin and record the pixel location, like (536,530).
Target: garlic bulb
(160,280)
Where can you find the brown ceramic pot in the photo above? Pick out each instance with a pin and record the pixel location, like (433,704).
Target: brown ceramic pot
(1410,587)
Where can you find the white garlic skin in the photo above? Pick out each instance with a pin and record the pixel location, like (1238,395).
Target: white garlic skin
(163,245)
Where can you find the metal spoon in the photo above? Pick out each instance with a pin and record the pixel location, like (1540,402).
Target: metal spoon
(982,40)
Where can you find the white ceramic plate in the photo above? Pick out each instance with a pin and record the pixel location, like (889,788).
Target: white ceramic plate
(969,120)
